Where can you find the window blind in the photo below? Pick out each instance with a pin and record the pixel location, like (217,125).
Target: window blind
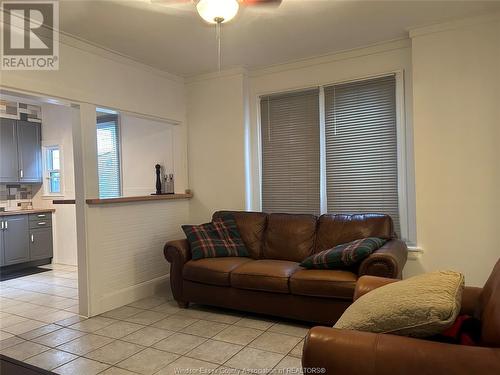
(108,156)
(361,147)
(291,152)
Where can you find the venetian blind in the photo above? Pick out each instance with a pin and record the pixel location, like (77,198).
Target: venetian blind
(361,147)
(108,156)
(291,152)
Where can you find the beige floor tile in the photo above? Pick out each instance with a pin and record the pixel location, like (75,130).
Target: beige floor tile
(148,336)
(24,350)
(75,309)
(10,321)
(26,326)
(114,352)
(148,303)
(85,344)
(291,329)
(146,317)
(117,371)
(58,337)
(275,342)
(297,350)
(122,313)
(148,361)
(70,321)
(255,323)
(205,328)
(51,359)
(11,341)
(289,365)
(167,308)
(238,335)
(5,335)
(186,365)
(254,360)
(48,328)
(56,316)
(179,343)
(81,366)
(174,323)
(119,329)
(214,351)
(92,324)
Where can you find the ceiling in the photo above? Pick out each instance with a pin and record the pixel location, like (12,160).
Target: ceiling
(175,39)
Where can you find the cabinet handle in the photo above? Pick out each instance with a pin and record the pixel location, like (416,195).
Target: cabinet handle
(2,226)
(21,173)
(6,225)
(42,223)
(32,239)
(41,215)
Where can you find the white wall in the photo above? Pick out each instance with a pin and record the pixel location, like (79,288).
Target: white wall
(456,75)
(144,143)
(92,77)
(216,119)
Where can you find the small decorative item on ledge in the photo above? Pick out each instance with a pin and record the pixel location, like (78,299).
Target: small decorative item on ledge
(158,180)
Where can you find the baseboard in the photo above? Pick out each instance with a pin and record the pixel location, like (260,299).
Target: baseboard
(110,301)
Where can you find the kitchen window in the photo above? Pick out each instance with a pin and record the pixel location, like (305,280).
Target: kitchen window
(52,166)
(334,149)
(108,155)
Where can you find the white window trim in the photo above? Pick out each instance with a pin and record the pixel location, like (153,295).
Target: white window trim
(46,146)
(406,178)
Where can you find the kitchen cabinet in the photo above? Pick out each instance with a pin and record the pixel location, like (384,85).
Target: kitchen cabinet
(25,238)
(9,167)
(20,151)
(15,237)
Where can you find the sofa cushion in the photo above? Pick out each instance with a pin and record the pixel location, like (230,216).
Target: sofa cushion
(265,274)
(337,229)
(289,237)
(345,255)
(251,226)
(323,283)
(420,306)
(214,271)
(220,238)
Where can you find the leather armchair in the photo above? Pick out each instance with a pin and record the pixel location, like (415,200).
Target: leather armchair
(353,352)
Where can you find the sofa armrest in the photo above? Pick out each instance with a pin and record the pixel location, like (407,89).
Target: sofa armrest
(336,350)
(177,254)
(388,261)
(366,284)
(470,300)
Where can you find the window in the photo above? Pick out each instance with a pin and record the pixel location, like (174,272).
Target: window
(108,156)
(53,170)
(332,149)
(291,152)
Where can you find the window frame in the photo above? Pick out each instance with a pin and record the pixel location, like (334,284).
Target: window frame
(46,171)
(106,114)
(406,178)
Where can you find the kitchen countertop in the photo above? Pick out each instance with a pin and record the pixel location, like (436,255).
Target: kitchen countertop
(26,212)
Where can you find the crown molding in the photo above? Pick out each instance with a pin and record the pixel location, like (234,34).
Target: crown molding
(98,50)
(452,25)
(236,71)
(372,49)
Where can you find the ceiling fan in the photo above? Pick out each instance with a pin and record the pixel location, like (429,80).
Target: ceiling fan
(218,12)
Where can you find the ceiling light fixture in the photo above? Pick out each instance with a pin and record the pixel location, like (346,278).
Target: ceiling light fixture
(217,11)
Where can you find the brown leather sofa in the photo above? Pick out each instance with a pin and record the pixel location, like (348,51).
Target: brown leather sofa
(336,350)
(271,281)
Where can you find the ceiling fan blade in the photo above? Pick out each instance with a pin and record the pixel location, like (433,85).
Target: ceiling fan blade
(261,2)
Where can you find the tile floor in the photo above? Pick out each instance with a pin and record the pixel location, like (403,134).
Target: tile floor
(39,325)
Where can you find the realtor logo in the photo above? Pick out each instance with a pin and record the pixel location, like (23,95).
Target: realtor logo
(30,35)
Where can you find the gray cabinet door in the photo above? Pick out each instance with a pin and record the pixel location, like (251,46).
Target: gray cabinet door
(16,239)
(2,257)
(9,167)
(41,243)
(29,150)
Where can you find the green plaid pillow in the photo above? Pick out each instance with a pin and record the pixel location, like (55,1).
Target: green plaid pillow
(344,255)
(220,238)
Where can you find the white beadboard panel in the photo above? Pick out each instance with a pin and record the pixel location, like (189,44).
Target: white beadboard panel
(125,251)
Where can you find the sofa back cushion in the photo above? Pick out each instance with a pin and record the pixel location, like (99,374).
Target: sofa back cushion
(251,226)
(337,229)
(289,237)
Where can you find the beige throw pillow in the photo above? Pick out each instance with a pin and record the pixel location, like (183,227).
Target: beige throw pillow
(420,306)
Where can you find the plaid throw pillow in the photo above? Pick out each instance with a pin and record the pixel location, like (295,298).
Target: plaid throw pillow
(344,255)
(220,238)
